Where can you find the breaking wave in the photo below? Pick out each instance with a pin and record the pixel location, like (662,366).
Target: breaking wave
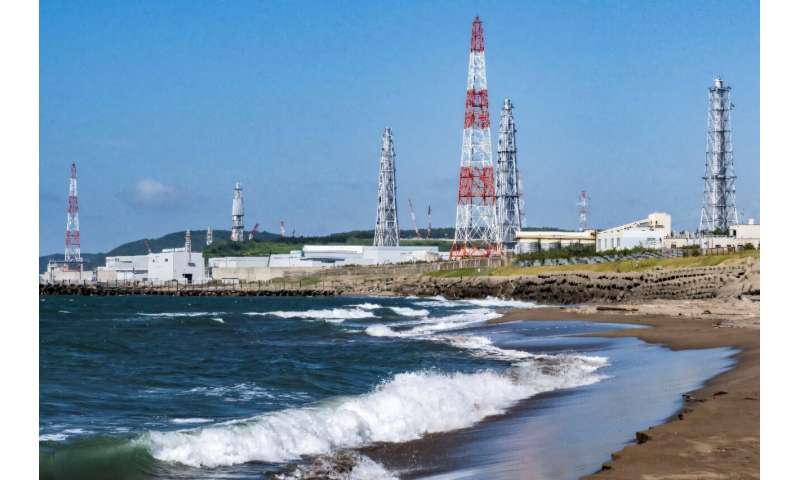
(345,465)
(407,407)
(180,314)
(410,312)
(440,301)
(336,315)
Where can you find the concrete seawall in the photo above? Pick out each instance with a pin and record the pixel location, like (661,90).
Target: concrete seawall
(546,288)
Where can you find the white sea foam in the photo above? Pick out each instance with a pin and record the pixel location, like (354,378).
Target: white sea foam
(367,306)
(500,302)
(410,312)
(63,435)
(428,326)
(483,347)
(181,421)
(179,314)
(440,301)
(343,465)
(242,392)
(335,315)
(405,408)
(218,319)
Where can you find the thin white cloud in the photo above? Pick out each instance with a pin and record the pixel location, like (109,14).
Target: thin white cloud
(152,193)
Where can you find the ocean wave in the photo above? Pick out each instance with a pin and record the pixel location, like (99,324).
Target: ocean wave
(407,407)
(63,435)
(410,312)
(440,301)
(367,306)
(180,314)
(344,465)
(483,347)
(181,421)
(336,315)
(242,392)
(428,326)
(500,302)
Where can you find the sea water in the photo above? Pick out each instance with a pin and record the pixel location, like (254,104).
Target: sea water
(248,387)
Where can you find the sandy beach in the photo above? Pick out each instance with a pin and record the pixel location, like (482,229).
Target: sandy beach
(715,435)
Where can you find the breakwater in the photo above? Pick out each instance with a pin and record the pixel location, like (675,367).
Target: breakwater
(183,291)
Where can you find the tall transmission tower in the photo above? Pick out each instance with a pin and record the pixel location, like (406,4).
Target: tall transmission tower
(719,196)
(476,232)
(283,230)
(72,243)
(509,211)
(386,229)
(237,212)
(583,211)
(209,236)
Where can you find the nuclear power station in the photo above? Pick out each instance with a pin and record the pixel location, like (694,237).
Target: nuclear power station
(387,232)
(489,210)
(719,196)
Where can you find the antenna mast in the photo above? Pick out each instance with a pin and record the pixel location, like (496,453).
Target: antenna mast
(509,216)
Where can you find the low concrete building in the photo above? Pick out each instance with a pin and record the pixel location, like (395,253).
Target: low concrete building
(533,241)
(62,272)
(368,255)
(649,232)
(169,265)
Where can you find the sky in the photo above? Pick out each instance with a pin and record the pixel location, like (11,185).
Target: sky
(166,105)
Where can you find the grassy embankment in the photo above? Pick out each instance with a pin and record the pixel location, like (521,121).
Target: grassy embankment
(610,267)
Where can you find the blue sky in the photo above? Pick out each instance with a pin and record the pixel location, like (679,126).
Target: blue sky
(165,105)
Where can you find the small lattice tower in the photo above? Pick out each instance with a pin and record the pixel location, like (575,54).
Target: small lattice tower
(583,211)
(509,208)
(72,243)
(476,232)
(386,228)
(719,195)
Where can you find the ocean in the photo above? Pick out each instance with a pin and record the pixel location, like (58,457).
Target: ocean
(353,388)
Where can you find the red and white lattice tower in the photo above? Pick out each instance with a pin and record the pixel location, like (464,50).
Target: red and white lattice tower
(72,244)
(476,224)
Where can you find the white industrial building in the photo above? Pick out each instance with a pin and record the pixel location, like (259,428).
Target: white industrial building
(649,232)
(535,241)
(179,265)
(170,265)
(312,258)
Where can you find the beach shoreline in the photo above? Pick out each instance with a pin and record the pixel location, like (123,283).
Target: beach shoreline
(715,434)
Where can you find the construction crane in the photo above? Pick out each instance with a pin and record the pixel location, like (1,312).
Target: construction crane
(414,219)
(252,235)
(283,230)
(429,221)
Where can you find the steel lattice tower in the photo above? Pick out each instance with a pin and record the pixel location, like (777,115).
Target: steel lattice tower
(583,211)
(476,232)
(509,210)
(72,249)
(386,229)
(237,212)
(719,196)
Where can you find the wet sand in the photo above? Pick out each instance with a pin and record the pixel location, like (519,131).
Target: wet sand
(715,435)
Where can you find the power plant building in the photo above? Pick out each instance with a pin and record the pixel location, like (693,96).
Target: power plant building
(537,241)
(649,232)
